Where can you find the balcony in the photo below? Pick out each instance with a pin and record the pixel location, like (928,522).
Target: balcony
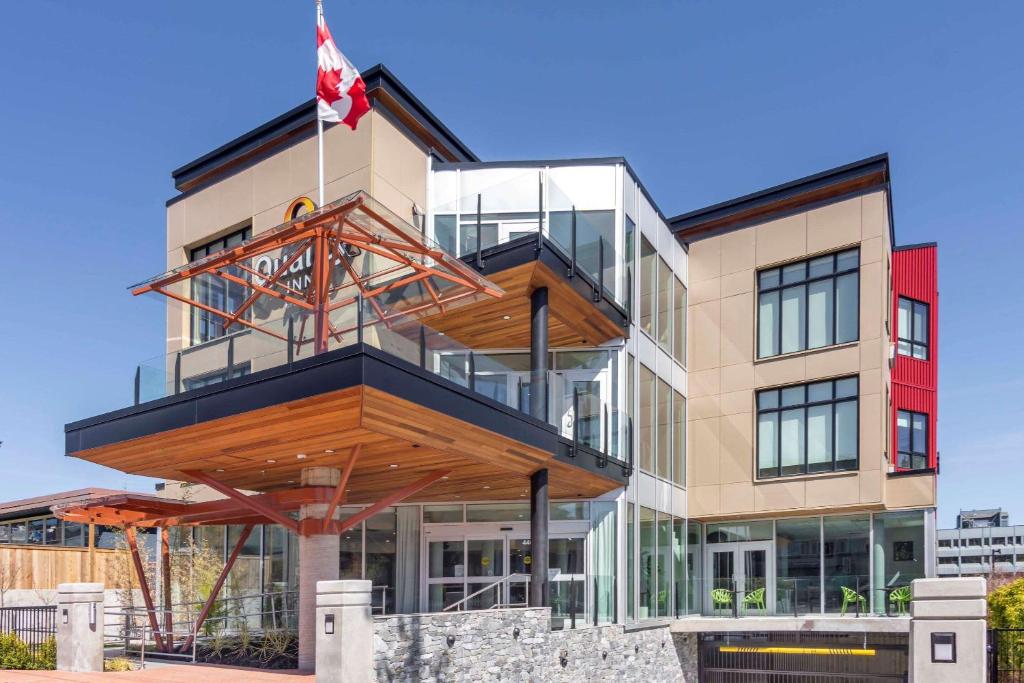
(311,346)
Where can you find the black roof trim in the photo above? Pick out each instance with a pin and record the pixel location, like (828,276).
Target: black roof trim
(919,245)
(877,164)
(377,77)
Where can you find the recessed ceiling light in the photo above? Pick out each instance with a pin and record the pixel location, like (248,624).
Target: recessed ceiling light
(486,486)
(291,481)
(270,461)
(445,478)
(393,467)
(506,317)
(220,469)
(328,450)
(300,456)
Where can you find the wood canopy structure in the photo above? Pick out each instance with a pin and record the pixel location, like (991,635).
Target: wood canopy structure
(351,251)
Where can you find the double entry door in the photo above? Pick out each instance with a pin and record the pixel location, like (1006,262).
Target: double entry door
(740,574)
(469,568)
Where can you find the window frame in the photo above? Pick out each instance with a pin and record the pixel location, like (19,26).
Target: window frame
(805,283)
(201,251)
(911,341)
(912,453)
(805,406)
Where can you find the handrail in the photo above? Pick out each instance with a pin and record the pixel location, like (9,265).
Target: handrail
(504,579)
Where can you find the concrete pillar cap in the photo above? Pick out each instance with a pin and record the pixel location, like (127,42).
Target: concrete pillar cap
(79,587)
(344,586)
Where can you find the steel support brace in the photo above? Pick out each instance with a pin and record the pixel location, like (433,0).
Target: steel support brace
(147,597)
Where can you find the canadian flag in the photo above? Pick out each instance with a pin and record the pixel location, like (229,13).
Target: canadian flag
(340,91)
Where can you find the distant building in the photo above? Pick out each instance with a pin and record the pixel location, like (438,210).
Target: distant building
(983,543)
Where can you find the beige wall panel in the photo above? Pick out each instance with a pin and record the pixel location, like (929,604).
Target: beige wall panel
(704,261)
(740,282)
(401,164)
(737,250)
(704,336)
(872,445)
(272,181)
(833,226)
(735,402)
(704,451)
(217,209)
(704,382)
(781,240)
(737,329)
(175,226)
(871,486)
(871,355)
(781,371)
(345,151)
(874,222)
(738,497)
(830,491)
(870,382)
(912,491)
(871,312)
(779,495)
(738,377)
(873,250)
(399,203)
(833,362)
(702,500)
(737,452)
(703,291)
(703,407)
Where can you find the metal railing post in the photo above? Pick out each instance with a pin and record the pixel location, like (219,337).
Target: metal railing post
(138,383)
(572,244)
(540,209)
(596,601)
(575,421)
(479,240)
(735,601)
(359,318)
(472,371)
(177,373)
(291,340)
(599,289)
(572,603)
(231,355)
(423,347)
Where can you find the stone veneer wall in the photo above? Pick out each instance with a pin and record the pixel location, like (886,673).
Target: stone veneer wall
(415,648)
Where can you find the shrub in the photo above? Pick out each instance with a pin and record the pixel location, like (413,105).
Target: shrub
(14,653)
(46,658)
(1006,605)
(117,664)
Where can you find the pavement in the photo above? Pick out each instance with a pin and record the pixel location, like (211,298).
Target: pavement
(169,673)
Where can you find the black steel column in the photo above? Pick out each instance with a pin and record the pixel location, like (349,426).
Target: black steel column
(539,353)
(539,539)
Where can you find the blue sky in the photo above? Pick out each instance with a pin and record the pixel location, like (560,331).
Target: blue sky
(708,100)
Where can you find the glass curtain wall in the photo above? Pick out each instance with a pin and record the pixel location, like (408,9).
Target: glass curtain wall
(898,553)
(603,533)
(798,565)
(648,563)
(630,562)
(847,555)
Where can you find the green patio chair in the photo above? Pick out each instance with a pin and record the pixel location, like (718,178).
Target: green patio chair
(899,599)
(755,599)
(721,598)
(852,597)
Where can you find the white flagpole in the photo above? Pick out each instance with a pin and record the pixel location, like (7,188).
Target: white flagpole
(319,122)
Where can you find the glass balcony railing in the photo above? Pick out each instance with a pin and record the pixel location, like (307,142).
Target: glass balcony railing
(580,223)
(577,405)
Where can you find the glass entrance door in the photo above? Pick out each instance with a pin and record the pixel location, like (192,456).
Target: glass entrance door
(740,575)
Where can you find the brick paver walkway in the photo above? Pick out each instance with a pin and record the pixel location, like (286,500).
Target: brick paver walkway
(169,673)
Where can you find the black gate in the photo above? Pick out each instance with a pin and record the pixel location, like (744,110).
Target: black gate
(797,657)
(34,625)
(1006,655)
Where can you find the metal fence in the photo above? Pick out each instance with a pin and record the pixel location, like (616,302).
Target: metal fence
(802,657)
(1006,655)
(33,625)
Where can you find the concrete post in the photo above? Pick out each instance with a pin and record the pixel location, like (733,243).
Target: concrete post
(80,627)
(319,560)
(344,632)
(948,622)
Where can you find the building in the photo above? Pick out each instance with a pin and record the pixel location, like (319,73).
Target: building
(984,543)
(493,383)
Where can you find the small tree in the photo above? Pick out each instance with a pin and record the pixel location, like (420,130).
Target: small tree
(1006,605)
(10,574)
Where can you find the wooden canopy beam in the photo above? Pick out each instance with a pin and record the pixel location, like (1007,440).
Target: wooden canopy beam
(257,506)
(339,492)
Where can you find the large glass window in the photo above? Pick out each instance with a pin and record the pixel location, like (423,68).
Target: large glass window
(798,565)
(847,556)
(809,304)
(694,568)
(648,284)
(604,553)
(664,429)
(646,426)
(216,292)
(381,549)
(911,440)
(648,563)
(630,562)
(664,565)
(665,313)
(899,552)
(679,565)
(912,329)
(679,439)
(679,306)
(807,428)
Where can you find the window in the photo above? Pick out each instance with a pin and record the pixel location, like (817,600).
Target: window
(646,430)
(807,428)
(679,340)
(648,285)
(912,329)
(665,314)
(679,439)
(664,464)
(809,304)
(216,292)
(911,440)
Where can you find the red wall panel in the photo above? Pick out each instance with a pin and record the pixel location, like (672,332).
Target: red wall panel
(915,382)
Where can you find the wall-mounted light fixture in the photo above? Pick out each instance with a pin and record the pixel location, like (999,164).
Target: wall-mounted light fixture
(944,648)
(64,616)
(92,614)
(450,640)
(329,624)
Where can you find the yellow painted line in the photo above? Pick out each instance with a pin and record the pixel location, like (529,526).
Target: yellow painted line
(798,650)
